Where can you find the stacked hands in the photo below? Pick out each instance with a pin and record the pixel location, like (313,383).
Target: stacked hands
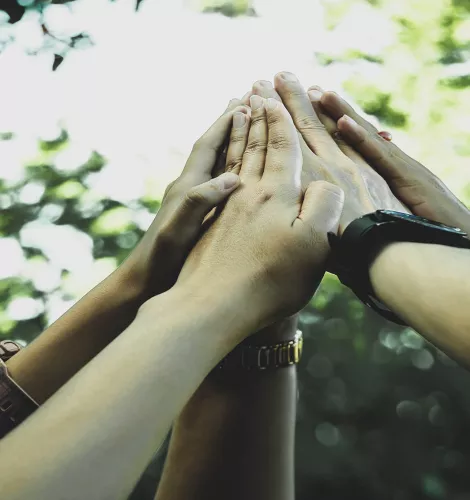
(239,245)
(298,164)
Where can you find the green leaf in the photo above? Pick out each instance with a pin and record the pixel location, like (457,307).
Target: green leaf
(113,222)
(68,190)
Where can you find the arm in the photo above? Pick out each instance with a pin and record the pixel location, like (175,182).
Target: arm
(119,441)
(237,425)
(152,268)
(429,287)
(94,437)
(75,338)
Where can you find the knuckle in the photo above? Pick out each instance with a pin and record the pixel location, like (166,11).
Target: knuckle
(294,91)
(234,165)
(281,142)
(274,119)
(309,124)
(258,118)
(237,138)
(194,197)
(255,146)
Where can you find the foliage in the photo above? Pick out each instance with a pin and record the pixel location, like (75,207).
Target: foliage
(382,414)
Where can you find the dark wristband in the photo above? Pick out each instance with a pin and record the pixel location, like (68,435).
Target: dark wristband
(15,404)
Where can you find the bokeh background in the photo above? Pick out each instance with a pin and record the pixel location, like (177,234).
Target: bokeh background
(100,102)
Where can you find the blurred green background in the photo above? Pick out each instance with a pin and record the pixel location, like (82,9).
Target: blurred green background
(382,414)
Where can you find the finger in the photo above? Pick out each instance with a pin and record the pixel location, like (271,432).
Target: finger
(321,208)
(255,151)
(284,156)
(246,98)
(374,149)
(198,202)
(221,160)
(315,94)
(336,107)
(386,135)
(297,102)
(265,89)
(237,143)
(207,148)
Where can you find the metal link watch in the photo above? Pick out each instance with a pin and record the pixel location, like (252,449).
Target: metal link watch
(252,357)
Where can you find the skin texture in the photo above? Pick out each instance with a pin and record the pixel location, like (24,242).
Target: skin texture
(153,266)
(412,183)
(233,283)
(428,286)
(231,441)
(325,157)
(238,424)
(209,422)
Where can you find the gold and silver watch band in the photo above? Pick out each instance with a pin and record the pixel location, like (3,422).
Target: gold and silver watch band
(252,357)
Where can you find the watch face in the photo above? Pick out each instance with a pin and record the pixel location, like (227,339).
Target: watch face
(391,215)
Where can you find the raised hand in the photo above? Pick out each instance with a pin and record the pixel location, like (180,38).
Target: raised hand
(268,247)
(330,159)
(154,265)
(411,182)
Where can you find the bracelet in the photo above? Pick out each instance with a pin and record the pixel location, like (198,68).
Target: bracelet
(252,357)
(15,404)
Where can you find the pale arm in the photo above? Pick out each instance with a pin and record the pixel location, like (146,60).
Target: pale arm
(235,437)
(110,418)
(429,287)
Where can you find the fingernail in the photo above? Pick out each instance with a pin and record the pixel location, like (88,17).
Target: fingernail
(316,87)
(315,95)
(264,84)
(256,102)
(385,135)
(233,101)
(350,121)
(228,180)
(271,103)
(289,77)
(239,120)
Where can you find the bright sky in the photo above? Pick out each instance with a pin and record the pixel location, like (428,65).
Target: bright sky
(153,82)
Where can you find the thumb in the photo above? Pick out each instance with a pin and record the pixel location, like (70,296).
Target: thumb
(200,200)
(322,207)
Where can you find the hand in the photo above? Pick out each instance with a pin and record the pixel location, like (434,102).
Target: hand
(411,182)
(330,159)
(267,249)
(155,263)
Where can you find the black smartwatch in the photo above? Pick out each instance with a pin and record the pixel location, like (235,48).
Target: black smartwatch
(353,252)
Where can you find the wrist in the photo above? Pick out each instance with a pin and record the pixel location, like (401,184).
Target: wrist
(219,314)
(383,269)
(281,331)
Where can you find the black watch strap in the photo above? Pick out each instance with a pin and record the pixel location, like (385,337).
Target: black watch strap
(357,277)
(353,252)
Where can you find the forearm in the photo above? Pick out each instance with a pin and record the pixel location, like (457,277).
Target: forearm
(75,338)
(235,437)
(429,287)
(95,436)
